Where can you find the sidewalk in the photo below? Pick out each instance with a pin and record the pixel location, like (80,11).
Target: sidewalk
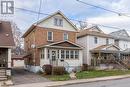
(59,83)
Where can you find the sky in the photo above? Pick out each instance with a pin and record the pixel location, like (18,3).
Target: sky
(73,10)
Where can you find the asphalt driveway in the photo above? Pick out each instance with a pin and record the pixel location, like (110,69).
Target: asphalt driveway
(21,76)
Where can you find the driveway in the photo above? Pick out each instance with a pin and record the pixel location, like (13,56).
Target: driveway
(21,76)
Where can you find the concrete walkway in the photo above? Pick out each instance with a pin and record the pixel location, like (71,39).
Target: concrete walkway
(60,83)
(21,76)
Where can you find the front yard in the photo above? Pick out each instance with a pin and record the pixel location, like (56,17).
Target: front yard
(88,74)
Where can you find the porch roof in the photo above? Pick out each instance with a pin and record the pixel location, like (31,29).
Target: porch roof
(106,49)
(63,44)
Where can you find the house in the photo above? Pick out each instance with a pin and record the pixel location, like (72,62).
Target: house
(52,40)
(97,44)
(6,44)
(122,39)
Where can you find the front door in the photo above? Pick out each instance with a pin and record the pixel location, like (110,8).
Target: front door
(54,57)
(3,57)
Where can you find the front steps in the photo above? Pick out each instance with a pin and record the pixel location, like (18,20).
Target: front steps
(3,75)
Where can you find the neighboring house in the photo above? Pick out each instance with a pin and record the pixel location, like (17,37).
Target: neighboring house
(122,39)
(6,44)
(52,41)
(96,44)
(17,60)
(18,57)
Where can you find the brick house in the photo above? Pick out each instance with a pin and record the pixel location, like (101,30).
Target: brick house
(6,44)
(52,40)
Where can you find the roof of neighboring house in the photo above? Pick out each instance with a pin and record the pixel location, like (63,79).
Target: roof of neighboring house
(17,57)
(63,44)
(94,31)
(58,12)
(6,36)
(121,35)
(104,48)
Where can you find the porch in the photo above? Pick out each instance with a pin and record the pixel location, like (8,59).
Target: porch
(5,63)
(109,55)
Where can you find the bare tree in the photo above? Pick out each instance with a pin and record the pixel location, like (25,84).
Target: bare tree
(17,34)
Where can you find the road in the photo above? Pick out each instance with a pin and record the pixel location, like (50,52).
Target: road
(111,83)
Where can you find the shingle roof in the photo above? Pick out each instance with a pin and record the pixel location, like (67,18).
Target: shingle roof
(6,36)
(89,31)
(121,35)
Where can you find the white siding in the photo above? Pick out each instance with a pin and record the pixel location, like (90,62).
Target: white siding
(88,43)
(49,23)
(124,44)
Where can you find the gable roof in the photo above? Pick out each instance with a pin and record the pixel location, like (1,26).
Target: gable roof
(6,36)
(105,48)
(121,35)
(38,22)
(91,31)
(63,44)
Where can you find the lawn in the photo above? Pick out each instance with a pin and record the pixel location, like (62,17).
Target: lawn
(88,74)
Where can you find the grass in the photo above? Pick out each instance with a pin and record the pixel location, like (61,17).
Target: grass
(88,74)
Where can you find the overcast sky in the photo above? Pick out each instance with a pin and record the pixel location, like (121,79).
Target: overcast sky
(74,10)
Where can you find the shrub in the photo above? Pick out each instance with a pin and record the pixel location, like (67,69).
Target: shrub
(58,70)
(48,69)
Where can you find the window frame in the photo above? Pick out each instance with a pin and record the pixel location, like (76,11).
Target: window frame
(95,40)
(58,21)
(63,54)
(48,36)
(76,54)
(67,37)
(67,54)
(71,54)
(107,41)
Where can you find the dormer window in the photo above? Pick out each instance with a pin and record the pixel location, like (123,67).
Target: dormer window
(58,22)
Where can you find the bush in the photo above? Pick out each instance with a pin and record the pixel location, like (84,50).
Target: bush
(58,70)
(48,69)
(85,67)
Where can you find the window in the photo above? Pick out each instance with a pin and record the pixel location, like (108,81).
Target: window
(76,54)
(50,36)
(58,54)
(42,53)
(65,36)
(95,40)
(67,54)
(71,54)
(58,22)
(107,41)
(62,54)
(48,52)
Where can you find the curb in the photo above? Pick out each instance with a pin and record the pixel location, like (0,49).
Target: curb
(71,82)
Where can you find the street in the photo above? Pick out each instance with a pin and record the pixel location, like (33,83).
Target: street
(111,83)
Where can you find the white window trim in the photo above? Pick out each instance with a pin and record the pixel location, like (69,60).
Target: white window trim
(58,18)
(67,36)
(47,36)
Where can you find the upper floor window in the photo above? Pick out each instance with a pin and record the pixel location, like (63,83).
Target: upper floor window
(58,22)
(50,36)
(95,40)
(107,41)
(65,36)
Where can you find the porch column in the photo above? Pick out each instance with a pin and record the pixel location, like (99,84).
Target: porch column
(45,53)
(8,71)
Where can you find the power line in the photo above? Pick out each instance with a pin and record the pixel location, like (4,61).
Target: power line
(35,12)
(120,14)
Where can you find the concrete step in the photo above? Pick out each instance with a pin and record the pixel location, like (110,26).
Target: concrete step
(2,78)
